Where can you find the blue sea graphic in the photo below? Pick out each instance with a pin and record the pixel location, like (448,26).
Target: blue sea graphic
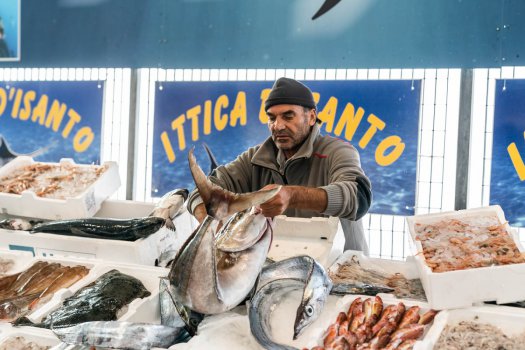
(506,188)
(395,102)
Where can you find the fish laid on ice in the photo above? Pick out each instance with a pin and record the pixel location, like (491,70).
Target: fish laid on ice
(98,301)
(69,276)
(275,281)
(204,277)
(119,335)
(165,211)
(117,229)
(11,309)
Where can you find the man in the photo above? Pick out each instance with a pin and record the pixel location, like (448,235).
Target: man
(321,175)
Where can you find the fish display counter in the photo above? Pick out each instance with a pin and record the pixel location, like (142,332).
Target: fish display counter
(468,256)
(105,291)
(162,244)
(52,191)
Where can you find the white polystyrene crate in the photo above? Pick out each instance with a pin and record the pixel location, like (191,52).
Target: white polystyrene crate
(333,307)
(145,310)
(41,337)
(407,268)
(86,204)
(510,320)
(464,288)
(321,238)
(19,260)
(143,251)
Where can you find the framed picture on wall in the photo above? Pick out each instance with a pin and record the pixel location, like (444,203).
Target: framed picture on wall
(10,30)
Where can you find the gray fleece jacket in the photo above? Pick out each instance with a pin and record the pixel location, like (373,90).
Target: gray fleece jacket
(322,161)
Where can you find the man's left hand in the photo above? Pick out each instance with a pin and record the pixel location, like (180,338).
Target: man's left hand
(278,203)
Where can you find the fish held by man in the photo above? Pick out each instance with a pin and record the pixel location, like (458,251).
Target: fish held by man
(221,203)
(205,278)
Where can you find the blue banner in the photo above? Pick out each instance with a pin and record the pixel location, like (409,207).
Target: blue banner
(51,120)
(380,118)
(507,182)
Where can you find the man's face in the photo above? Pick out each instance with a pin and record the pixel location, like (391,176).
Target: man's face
(290,126)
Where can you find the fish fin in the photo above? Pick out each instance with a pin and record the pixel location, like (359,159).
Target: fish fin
(213,161)
(327,6)
(246,200)
(207,189)
(170,225)
(221,203)
(24,321)
(78,232)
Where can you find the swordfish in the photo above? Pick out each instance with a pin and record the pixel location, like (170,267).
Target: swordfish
(215,269)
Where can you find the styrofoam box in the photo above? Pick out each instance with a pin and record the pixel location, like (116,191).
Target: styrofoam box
(41,337)
(86,204)
(320,238)
(511,321)
(143,251)
(332,309)
(407,268)
(146,310)
(464,288)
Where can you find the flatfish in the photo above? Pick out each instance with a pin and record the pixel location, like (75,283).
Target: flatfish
(98,301)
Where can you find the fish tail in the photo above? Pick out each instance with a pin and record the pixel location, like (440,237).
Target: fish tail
(221,203)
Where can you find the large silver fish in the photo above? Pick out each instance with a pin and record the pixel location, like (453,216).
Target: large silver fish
(119,335)
(278,279)
(207,279)
(173,313)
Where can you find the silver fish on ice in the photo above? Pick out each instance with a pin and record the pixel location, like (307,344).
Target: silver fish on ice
(278,279)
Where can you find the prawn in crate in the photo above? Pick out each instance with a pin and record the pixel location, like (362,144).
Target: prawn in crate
(459,252)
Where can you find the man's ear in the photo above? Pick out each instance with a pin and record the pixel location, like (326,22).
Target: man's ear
(313,117)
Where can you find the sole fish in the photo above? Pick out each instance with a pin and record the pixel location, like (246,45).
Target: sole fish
(277,280)
(119,335)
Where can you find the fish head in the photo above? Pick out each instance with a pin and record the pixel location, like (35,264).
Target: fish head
(315,294)
(153,223)
(8,311)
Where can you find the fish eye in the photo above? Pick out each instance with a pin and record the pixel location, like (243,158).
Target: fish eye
(309,310)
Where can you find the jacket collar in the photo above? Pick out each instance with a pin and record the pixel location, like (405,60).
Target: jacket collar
(267,154)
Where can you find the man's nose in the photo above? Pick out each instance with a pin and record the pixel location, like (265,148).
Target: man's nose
(278,124)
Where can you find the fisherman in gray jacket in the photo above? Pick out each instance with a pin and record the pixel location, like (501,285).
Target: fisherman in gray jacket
(321,175)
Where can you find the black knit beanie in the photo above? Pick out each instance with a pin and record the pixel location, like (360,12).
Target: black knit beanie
(286,91)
